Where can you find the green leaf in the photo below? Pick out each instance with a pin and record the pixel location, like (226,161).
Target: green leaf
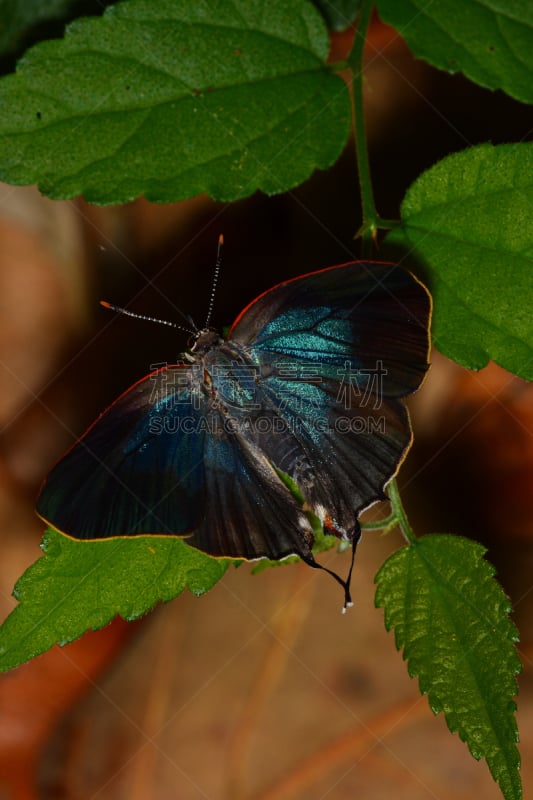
(469,219)
(339,14)
(490,41)
(173,98)
(81,585)
(450,617)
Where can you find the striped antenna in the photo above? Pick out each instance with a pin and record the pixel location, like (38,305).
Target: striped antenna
(119,310)
(218,264)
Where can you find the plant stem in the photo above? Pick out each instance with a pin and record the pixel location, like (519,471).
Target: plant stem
(384,525)
(397,517)
(399,512)
(371,219)
(355,64)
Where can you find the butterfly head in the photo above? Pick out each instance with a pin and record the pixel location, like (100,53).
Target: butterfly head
(204,340)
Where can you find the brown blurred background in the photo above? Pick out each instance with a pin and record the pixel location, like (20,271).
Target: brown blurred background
(260,689)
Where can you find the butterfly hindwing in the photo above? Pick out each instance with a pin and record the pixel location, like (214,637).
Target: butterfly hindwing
(250,512)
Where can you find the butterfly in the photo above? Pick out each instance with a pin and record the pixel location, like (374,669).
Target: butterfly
(305,391)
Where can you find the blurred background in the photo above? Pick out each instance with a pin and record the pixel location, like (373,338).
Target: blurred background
(261,688)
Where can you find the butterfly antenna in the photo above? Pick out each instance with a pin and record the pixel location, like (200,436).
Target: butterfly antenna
(218,264)
(119,310)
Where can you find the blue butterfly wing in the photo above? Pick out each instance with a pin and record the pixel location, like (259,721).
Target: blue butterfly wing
(337,351)
(160,461)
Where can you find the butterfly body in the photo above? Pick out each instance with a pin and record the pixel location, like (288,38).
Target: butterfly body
(308,384)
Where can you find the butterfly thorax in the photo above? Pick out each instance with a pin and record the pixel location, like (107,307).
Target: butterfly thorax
(229,374)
